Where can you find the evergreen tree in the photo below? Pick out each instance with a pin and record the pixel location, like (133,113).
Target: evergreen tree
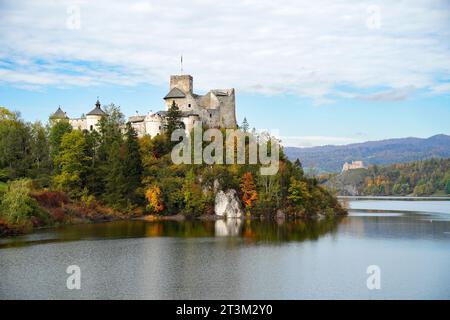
(116,181)
(39,150)
(245,126)
(173,120)
(132,162)
(110,132)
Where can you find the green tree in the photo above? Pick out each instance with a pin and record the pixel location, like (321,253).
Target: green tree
(72,163)
(57,131)
(173,120)
(116,180)
(110,129)
(40,151)
(15,149)
(245,126)
(298,193)
(132,162)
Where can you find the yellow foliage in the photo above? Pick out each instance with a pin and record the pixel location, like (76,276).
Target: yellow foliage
(153,196)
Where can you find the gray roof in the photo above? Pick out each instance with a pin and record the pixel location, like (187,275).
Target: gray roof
(219,92)
(59,114)
(161,113)
(175,93)
(97,111)
(136,118)
(188,114)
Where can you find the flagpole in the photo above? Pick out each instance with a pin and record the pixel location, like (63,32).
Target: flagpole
(181,64)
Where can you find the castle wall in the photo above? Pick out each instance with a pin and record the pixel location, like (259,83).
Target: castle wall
(153,125)
(139,127)
(78,124)
(189,122)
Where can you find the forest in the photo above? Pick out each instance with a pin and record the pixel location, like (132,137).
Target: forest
(418,178)
(51,174)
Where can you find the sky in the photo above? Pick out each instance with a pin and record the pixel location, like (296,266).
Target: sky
(317,72)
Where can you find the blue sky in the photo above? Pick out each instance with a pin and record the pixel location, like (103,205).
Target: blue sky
(321,73)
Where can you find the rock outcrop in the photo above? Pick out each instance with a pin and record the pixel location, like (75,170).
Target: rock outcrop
(227,204)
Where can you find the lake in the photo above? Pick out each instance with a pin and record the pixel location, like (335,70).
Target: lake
(409,241)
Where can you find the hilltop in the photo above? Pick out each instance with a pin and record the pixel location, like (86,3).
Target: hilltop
(384,152)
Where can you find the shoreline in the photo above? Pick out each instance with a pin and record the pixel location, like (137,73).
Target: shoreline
(409,198)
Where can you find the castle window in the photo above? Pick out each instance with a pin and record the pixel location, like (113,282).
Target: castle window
(92,127)
(210,115)
(189,105)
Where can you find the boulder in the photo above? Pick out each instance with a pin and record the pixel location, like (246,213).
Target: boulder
(227,204)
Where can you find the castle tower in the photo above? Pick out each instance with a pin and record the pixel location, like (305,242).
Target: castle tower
(183,82)
(58,115)
(94,116)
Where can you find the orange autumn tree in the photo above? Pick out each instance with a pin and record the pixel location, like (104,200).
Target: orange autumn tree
(153,195)
(248,189)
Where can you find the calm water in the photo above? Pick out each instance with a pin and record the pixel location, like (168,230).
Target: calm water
(408,240)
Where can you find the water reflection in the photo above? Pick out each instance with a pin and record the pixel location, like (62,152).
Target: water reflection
(236,259)
(228,227)
(267,230)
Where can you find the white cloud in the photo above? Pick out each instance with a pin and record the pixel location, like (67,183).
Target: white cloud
(389,95)
(312,141)
(299,47)
(441,88)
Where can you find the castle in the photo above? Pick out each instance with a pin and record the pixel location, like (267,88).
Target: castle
(354,165)
(215,109)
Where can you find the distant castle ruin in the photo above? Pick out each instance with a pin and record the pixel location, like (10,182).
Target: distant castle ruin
(354,165)
(215,109)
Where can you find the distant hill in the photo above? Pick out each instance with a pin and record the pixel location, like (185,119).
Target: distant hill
(383,152)
(418,178)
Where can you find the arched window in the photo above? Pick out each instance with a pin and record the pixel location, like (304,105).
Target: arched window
(189,105)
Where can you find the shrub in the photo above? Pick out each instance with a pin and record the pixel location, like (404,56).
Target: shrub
(50,199)
(17,206)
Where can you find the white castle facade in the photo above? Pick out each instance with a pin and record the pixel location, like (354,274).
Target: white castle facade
(354,165)
(215,109)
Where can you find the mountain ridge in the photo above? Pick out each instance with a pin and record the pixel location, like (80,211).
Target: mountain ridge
(330,158)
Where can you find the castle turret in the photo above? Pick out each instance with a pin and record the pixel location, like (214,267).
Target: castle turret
(58,116)
(183,82)
(94,116)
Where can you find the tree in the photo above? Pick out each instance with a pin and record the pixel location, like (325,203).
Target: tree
(132,163)
(72,163)
(173,120)
(116,181)
(57,131)
(153,196)
(40,153)
(298,193)
(245,126)
(110,129)
(248,190)
(192,195)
